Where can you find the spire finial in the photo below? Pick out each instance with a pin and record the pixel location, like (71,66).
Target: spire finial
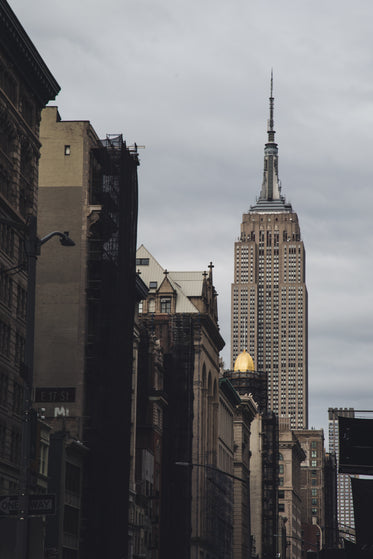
(271,104)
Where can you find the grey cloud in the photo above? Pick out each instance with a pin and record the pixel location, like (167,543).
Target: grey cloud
(195,91)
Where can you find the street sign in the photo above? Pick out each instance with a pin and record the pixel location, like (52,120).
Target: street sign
(38,505)
(54,394)
(9,505)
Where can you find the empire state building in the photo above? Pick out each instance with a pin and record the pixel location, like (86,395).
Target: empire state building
(269,294)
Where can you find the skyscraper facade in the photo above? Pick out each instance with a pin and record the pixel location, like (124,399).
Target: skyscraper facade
(269,294)
(345,506)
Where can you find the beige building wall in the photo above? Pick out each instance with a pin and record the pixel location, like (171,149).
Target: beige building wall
(225,434)
(290,505)
(256,482)
(205,431)
(60,322)
(269,308)
(313,481)
(246,411)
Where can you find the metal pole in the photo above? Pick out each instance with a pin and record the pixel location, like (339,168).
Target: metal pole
(28,373)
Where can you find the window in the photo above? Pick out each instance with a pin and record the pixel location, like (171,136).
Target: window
(314,501)
(142,261)
(166,304)
(281,494)
(281,469)
(313,463)
(313,444)
(153,285)
(313,453)
(71,520)
(72,478)
(281,481)
(281,507)
(151,305)
(140,307)
(314,492)
(43,466)
(67,150)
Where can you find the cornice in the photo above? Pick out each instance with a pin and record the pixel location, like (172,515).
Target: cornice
(23,54)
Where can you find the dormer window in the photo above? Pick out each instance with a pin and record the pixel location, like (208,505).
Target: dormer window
(153,285)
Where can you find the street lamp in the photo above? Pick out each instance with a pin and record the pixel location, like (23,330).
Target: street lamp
(208,467)
(32,248)
(288,537)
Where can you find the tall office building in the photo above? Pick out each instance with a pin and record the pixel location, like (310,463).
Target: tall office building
(345,506)
(269,294)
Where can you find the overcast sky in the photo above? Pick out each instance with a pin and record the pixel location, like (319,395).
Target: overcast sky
(190,81)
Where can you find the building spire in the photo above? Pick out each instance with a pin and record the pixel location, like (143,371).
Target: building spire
(271,184)
(271,132)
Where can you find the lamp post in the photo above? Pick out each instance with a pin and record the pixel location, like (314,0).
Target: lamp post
(288,537)
(32,248)
(208,467)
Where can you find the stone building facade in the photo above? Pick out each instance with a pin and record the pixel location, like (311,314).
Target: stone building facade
(313,488)
(263,462)
(181,311)
(26,85)
(243,540)
(290,458)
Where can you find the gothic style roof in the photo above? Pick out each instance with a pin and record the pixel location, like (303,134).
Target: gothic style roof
(187,286)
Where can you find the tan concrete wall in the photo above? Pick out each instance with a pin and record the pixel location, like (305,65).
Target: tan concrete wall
(61,271)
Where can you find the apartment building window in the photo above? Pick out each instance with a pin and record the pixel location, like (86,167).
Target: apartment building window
(4,338)
(5,288)
(166,304)
(71,520)
(2,437)
(3,388)
(72,478)
(67,150)
(43,466)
